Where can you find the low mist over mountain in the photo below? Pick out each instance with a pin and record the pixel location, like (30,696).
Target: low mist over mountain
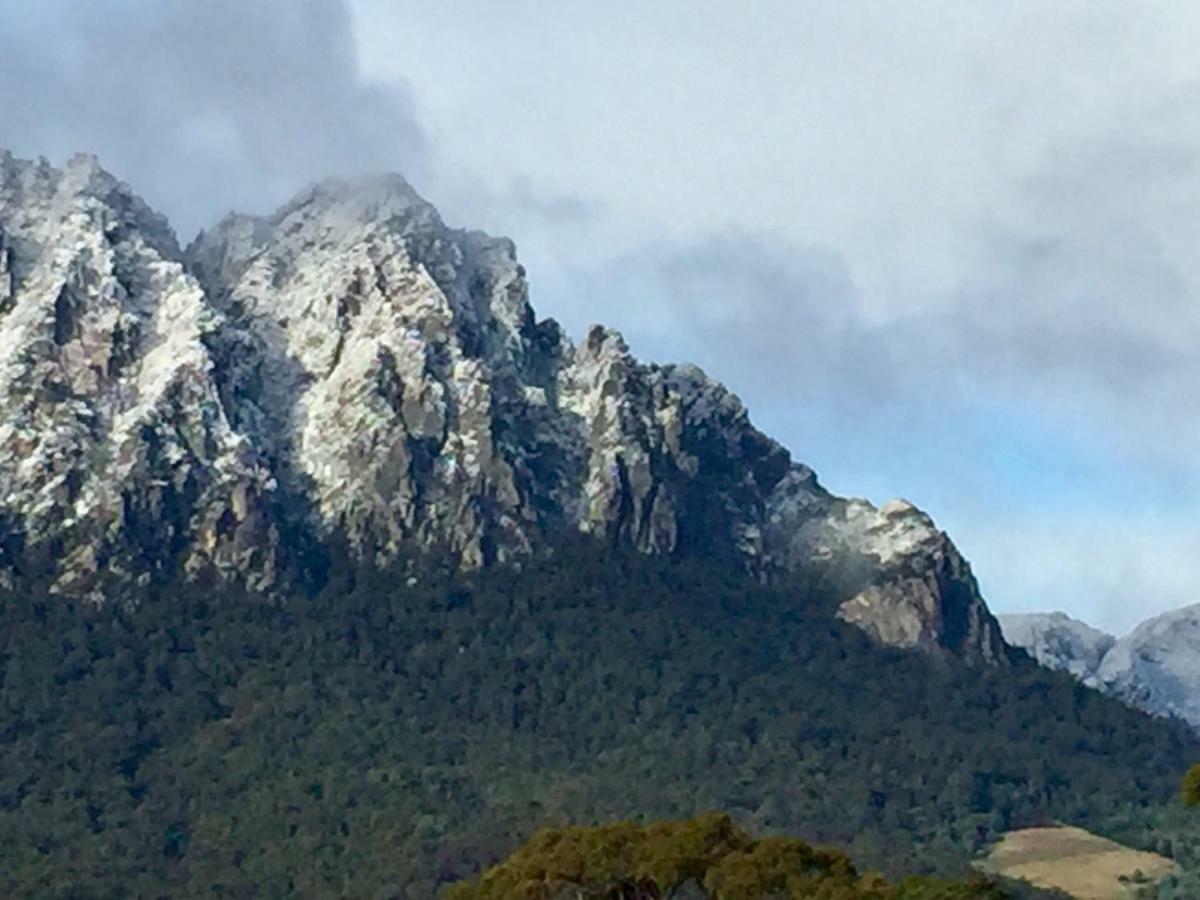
(1059,642)
(352,375)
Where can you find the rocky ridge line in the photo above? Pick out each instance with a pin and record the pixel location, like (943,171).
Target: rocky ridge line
(351,370)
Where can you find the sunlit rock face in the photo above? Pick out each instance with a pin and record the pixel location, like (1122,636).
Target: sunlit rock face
(917,591)
(352,370)
(117,462)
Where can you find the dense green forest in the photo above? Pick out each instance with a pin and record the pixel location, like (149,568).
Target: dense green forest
(393,734)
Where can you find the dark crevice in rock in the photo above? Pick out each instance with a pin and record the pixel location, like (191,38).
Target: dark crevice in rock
(7,287)
(66,313)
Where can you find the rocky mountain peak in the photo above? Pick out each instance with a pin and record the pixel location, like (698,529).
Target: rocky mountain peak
(108,414)
(351,370)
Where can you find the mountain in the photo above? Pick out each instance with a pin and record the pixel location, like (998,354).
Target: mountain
(1156,667)
(379,574)
(1058,641)
(351,376)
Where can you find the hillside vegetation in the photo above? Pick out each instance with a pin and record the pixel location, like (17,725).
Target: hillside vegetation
(394,735)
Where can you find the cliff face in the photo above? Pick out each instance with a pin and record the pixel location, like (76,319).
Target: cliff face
(117,462)
(350,369)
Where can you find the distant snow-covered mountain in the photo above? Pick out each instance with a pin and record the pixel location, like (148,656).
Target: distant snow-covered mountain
(1156,667)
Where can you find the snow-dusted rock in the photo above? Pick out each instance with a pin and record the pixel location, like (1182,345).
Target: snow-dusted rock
(1058,641)
(395,372)
(915,588)
(117,463)
(1156,667)
(367,348)
(352,370)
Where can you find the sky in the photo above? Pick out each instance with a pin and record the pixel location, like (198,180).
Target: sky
(941,250)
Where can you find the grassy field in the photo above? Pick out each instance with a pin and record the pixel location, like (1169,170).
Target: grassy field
(1076,862)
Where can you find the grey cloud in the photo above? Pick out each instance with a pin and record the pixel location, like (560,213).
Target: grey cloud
(1085,307)
(203,107)
(518,206)
(552,207)
(777,321)
(1014,196)
(1079,306)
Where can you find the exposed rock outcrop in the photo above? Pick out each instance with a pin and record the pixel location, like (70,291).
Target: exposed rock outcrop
(351,369)
(117,463)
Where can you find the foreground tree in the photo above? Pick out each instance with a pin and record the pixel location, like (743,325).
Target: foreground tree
(708,856)
(1190,787)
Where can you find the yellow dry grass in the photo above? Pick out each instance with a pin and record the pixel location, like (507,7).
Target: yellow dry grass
(1075,861)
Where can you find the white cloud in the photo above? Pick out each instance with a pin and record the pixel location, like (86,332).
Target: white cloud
(886,130)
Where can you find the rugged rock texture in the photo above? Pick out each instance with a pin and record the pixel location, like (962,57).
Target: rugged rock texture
(352,370)
(117,463)
(1156,667)
(917,590)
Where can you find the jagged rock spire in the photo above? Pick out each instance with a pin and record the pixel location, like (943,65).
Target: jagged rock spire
(117,463)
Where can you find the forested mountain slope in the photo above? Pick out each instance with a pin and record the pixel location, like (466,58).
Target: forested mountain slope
(385,738)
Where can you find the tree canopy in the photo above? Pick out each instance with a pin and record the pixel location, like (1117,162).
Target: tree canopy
(1190,788)
(630,861)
